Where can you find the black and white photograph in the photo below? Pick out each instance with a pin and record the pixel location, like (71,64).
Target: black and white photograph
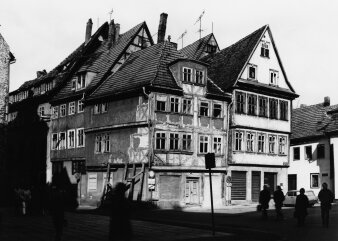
(163,120)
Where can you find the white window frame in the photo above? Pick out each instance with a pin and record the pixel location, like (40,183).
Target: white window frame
(71,139)
(174,140)
(78,137)
(62,143)
(55,112)
(207,107)
(71,108)
(186,142)
(174,104)
(42,111)
(80,108)
(81,81)
(63,107)
(217,145)
(250,141)
(98,143)
(318,180)
(106,142)
(199,76)
(273,77)
(203,143)
(261,142)
(104,107)
(187,106)
(162,137)
(282,145)
(272,139)
(239,140)
(187,74)
(265,46)
(255,67)
(220,115)
(54,145)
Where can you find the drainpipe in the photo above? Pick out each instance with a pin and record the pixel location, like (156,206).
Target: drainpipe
(227,196)
(150,132)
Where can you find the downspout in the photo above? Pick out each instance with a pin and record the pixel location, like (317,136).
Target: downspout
(149,131)
(228,126)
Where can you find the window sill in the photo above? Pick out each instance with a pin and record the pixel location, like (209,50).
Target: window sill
(282,154)
(203,116)
(193,83)
(252,79)
(266,57)
(173,152)
(252,114)
(217,118)
(263,116)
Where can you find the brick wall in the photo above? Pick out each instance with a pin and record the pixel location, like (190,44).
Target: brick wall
(4,78)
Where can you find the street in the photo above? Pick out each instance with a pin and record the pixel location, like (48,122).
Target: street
(235,223)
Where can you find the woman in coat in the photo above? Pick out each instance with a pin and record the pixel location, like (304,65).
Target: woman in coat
(302,203)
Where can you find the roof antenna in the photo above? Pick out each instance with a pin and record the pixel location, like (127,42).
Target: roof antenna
(98,22)
(200,20)
(182,36)
(110,13)
(212,27)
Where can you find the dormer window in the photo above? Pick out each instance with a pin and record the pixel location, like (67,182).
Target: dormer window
(252,72)
(187,74)
(81,81)
(265,50)
(211,48)
(273,77)
(199,76)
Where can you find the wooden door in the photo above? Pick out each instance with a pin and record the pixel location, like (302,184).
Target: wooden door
(192,191)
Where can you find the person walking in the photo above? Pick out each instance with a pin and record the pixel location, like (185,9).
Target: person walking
(326,198)
(120,226)
(264,199)
(302,203)
(278,197)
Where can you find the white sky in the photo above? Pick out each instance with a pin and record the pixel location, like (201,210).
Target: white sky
(41,33)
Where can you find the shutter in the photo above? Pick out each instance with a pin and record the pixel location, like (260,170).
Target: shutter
(255,186)
(238,190)
(169,187)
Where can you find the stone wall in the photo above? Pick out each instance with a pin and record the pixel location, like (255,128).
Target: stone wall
(4,78)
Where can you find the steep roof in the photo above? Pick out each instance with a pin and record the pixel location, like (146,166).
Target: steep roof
(313,121)
(226,65)
(195,50)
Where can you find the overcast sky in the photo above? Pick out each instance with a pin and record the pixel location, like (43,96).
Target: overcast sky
(41,33)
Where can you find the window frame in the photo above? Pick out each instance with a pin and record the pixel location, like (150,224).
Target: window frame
(69,141)
(250,142)
(161,103)
(239,140)
(71,108)
(282,145)
(80,107)
(174,140)
(186,74)
(63,107)
(240,103)
(207,108)
(217,145)
(272,144)
(283,110)
(220,109)
(78,137)
(296,157)
(311,181)
(261,143)
(54,147)
(186,142)
(199,76)
(273,77)
(55,112)
(161,139)
(174,104)
(261,107)
(255,73)
(98,143)
(187,106)
(81,81)
(252,107)
(265,52)
(273,108)
(41,111)
(203,143)
(106,142)
(308,156)
(62,143)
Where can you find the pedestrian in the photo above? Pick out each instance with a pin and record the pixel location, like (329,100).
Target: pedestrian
(326,198)
(278,197)
(120,226)
(302,203)
(264,199)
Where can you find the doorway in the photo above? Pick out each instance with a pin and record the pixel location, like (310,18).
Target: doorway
(255,185)
(270,179)
(292,182)
(192,191)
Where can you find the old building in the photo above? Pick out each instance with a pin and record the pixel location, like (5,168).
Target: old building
(314,150)
(260,119)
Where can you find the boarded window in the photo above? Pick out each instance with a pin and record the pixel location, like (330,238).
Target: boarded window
(170,187)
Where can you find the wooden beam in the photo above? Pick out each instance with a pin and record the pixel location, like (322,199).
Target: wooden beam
(131,190)
(139,195)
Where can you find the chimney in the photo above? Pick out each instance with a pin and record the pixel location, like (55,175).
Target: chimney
(111,33)
(117,32)
(326,101)
(162,27)
(88,30)
(302,105)
(41,73)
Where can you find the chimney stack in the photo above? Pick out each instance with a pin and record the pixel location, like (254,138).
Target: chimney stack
(162,27)
(88,30)
(117,32)
(41,73)
(326,101)
(111,33)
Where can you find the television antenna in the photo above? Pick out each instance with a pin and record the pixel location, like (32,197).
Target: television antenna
(182,36)
(110,13)
(199,19)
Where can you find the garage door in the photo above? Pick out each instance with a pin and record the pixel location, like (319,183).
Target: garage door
(238,189)
(255,185)
(169,187)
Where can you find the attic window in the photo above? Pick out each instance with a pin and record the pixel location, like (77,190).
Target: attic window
(211,48)
(252,72)
(273,77)
(265,50)
(81,81)
(187,74)
(199,76)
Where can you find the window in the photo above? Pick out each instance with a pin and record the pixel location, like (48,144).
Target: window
(174,104)
(41,111)
(160,141)
(186,142)
(320,151)
(296,153)
(282,145)
(261,143)
(314,177)
(80,138)
(98,143)
(252,72)
(240,102)
(252,102)
(104,107)
(217,148)
(250,141)
(199,76)
(238,141)
(211,48)
(265,50)
(273,77)
(173,141)
(92,181)
(272,144)
(204,109)
(62,140)
(263,106)
(106,143)
(81,81)
(80,106)
(187,72)
(100,108)
(78,167)
(62,110)
(283,110)
(71,138)
(186,106)
(73,84)
(54,141)
(55,112)
(71,108)
(160,105)
(217,111)
(273,108)
(308,152)
(204,142)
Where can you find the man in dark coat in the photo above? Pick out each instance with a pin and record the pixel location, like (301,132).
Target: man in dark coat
(302,203)
(326,198)
(278,197)
(264,199)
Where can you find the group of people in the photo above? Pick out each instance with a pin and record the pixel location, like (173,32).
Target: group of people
(325,197)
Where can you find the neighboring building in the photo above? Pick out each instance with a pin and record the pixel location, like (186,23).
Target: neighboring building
(260,119)
(314,147)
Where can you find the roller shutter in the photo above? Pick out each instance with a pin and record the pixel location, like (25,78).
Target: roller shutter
(255,186)
(238,189)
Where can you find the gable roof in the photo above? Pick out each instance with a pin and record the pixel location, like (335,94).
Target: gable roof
(196,49)
(313,121)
